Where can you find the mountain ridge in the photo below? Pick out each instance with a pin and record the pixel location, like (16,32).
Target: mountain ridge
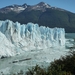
(41,13)
(38,6)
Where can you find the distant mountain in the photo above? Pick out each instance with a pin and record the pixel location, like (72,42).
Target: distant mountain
(13,8)
(41,13)
(19,8)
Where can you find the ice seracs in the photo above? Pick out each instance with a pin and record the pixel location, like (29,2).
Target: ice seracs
(19,38)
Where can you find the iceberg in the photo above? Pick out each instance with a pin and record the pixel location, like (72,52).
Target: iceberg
(16,38)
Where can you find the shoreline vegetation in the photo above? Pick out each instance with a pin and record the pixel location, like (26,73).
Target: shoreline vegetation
(63,66)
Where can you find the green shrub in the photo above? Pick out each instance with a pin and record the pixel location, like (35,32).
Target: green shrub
(62,66)
(37,70)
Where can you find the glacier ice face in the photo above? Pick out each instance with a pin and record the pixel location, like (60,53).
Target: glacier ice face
(6,48)
(28,36)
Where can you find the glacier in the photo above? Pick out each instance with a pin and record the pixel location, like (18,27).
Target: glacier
(16,38)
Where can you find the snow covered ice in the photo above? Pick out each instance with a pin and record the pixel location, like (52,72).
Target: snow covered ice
(16,38)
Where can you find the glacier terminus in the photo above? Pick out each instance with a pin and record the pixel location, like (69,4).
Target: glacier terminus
(16,38)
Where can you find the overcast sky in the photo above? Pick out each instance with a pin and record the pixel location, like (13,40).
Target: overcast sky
(65,4)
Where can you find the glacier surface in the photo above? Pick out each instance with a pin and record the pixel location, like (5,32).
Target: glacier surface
(16,38)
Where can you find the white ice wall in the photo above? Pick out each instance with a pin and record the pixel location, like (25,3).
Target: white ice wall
(30,36)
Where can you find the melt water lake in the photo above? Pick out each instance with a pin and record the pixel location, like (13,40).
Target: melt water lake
(41,57)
